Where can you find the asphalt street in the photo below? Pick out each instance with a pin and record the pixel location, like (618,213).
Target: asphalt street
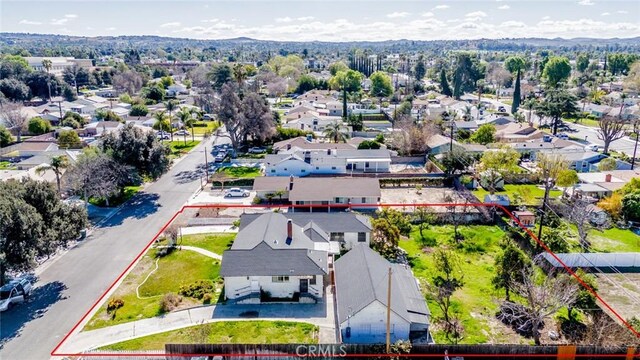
(67,288)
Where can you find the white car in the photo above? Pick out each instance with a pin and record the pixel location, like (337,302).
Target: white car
(236,192)
(592,147)
(14,292)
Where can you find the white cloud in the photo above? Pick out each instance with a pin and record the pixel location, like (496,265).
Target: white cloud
(305,18)
(71,16)
(504,7)
(29,22)
(285,19)
(476,14)
(210,20)
(110,28)
(622,12)
(513,24)
(170,24)
(427,14)
(398,14)
(605,14)
(440,7)
(58,22)
(546,17)
(586,2)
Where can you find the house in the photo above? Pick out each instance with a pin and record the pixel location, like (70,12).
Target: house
(466,125)
(273,258)
(331,161)
(579,159)
(315,123)
(440,144)
(301,143)
(100,128)
(177,89)
(342,230)
(361,278)
(299,112)
(517,132)
(597,110)
(589,191)
(496,199)
(526,218)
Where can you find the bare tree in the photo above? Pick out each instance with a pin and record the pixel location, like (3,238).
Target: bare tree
(579,212)
(610,129)
(542,298)
(412,138)
(129,81)
(498,76)
(14,117)
(605,331)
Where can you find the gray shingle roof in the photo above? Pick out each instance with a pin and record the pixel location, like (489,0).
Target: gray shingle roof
(361,278)
(326,189)
(271,228)
(329,222)
(265,261)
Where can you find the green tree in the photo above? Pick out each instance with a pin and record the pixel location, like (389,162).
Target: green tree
(557,104)
(484,135)
(607,164)
(73,120)
(336,133)
(57,166)
(139,110)
(337,66)
(516,94)
(556,70)
(509,265)
(585,300)
(516,63)
(305,83)
(14,89)
(69,139)
(384,238)
(154,93)
(398,219)
(447,279)
(456,160)
(381,84)
(5,136)
(220,75)
(368,144)
(582,62)
(38,126)
(496,164)
(420,69)
(631,206)
(349,81)
(444,84)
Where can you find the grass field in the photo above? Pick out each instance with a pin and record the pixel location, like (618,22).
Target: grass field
(614,240)
(126,194)
(520,194)
(216,243)
(178,147)
(241,172)
(5,165)
(190,265)
(475,301)
(585,122)
(211,127)
(228,332)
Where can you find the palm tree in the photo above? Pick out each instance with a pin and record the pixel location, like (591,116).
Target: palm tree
(58,163)
(334,132)
(239,73)
(623,96)
(530,105)
(467,113)
(184,116)
(46,64)
(162,120)
(170,106)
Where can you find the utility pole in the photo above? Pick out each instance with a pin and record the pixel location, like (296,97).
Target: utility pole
(451,140)
(389,313)
(206,165)
(547,187)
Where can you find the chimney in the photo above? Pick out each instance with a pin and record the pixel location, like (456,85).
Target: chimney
(607,178)
(288,146)
(290,182)
(289,231)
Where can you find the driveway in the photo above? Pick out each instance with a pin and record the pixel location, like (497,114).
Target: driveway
(217,197)
(67,288)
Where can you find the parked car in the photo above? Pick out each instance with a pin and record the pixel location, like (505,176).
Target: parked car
(257,150)
(207,117)
(181,132)
(163,135)
(14,292)
(220,157)
(236,192)
(592,147)
(562,136)
(502,109)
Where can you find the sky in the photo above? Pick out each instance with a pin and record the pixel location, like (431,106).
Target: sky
(337,20)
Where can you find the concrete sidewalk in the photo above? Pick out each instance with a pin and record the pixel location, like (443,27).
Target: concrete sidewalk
(205,229)
(321,314)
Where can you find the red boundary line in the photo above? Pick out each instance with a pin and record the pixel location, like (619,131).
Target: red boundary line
(337,206)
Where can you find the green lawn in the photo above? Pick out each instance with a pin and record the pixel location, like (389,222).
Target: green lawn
(211,126)
(615,240)
(5,165)
(216,243)
(126,194)
(241,171)
(520,194)
(178,147)
(585,122)
(190,266)
(228,332)
(475,300)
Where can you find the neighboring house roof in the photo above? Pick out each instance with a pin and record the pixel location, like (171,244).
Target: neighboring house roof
(438,140)
(466,124)
(573,154)
(589,188)
(329,222)
(501,121)
(362,278)
(271,183)
(324,189)
(271,228)
(302,143)
(474,147)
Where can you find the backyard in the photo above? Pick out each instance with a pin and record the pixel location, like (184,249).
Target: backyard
(476,300)
(614,240)
(228,332)
(144,287)
(520,194)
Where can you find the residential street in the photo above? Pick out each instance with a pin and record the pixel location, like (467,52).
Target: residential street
(68,287)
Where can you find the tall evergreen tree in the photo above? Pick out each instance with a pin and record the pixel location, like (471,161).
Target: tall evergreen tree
(444,84)
(457,84)
(516,94)
(344,103)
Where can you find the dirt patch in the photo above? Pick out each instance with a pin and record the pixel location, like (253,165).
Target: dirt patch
(427,195)
(621,292)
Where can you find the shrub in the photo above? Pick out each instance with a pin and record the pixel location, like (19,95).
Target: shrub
(38,126)
(197,289)
(169,302)
(114,304)
(206,299)
(139,110)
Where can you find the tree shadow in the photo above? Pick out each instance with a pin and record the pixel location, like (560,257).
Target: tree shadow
(139,207)
(40,300)
(184,177)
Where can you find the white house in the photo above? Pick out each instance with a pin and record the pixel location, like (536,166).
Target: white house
(274,258)
(331,161)
(361,278)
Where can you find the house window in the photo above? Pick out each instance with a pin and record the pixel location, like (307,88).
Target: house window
(317,168)
(333,168)
(364,200)
(337,237)
(273,170)
(366,164)
(303,170)
(285,169)
(312,281)
(337,200)
(362,237)
(279,279)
